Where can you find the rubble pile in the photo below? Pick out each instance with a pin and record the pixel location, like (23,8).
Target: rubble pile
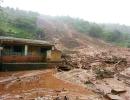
(66,64)
(76,76)
(103,73)
(125,76)
(103,60)
(110,88)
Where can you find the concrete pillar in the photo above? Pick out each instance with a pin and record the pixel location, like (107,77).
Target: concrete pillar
(26,50)
(49,55)
(1,48)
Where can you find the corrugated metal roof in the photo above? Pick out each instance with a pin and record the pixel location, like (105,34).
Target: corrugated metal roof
(25,41)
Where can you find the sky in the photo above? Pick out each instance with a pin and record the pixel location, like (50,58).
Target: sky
(99,11)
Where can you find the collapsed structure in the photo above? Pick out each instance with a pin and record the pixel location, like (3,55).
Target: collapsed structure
(17,51)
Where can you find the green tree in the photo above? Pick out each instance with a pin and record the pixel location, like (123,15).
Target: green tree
(115,36)
(95,31)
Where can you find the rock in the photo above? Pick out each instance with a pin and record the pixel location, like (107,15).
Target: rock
(58,91)
(103,73)
(62,98)
(57,98)
(127,82)
(66,98)
(113,97)
(95,64)
(39,98)
(103,89)
(118,90)
(19,97)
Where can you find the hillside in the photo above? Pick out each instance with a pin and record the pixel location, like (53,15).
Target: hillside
(66,32)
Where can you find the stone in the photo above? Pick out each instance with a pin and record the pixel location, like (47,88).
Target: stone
(66,98)
(118,90)
(113,97)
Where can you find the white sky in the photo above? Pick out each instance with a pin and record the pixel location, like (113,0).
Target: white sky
(100,11)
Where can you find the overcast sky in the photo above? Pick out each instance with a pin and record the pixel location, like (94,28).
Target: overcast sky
(101,11)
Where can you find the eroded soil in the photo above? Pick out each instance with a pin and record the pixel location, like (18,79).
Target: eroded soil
(28,85)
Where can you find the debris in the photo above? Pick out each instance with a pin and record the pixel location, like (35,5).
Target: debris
(88,62)
(65,65)
(66,98)
(118,90)
(63,68)
(88,82)
(113,97)
(127,82)
(57,98)
(103,73)
(61,98)
(102,89)
(125,76)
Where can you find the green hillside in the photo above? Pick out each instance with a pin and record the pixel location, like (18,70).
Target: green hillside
(24,24)
(18,23)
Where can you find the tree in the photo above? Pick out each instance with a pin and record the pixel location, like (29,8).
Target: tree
(95,31)
(115,36)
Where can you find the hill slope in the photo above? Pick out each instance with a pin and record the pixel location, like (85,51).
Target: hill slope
(65,36)
(67,33)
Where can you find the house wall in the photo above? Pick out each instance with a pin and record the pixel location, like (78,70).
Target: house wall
(21,59)
(33,50)
(36,51)
(55,55)
(34,54)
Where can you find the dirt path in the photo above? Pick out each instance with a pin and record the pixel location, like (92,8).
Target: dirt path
(38,80)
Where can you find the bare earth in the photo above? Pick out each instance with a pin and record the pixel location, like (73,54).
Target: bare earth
(28,85)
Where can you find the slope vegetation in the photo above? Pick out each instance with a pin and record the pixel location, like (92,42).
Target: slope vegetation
(65,32)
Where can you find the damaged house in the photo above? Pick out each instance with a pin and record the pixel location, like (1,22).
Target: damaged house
(18,53)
